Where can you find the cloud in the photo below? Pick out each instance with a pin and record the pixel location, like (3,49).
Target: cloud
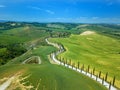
(50,12)
(2,6)
(35,8)
(96,20)
(44,10)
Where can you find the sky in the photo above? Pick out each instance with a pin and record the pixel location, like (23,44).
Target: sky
(76,11)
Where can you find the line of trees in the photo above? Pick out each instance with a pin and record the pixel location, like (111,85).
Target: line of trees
(82,68)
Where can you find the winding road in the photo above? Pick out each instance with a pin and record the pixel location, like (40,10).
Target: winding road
(61,49)
(6,84)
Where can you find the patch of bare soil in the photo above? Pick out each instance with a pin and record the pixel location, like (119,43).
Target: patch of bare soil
(87,33)
(15,82)
(20,82)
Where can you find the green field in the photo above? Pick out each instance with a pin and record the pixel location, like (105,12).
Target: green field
(50,76)
(96,50)
(21,35)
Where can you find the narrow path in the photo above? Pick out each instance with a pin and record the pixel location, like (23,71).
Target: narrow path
(6,84)
(61,49)
(38,58)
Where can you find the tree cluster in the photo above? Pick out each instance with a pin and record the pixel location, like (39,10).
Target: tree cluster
(10,51)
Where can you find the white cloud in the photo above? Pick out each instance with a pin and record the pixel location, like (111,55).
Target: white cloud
(83,19)
(2,6)
(96,20)
(50,12)
(38,8)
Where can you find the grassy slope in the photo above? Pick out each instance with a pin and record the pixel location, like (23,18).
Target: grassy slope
(53,77)
(109,30)
(27,36)
(21,35)
(99,51)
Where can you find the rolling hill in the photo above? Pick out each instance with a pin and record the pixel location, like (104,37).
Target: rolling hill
(44,76)
(97,50)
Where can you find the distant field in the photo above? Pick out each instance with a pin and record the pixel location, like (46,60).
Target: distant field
(96,50)
(48,76)
(21,35)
